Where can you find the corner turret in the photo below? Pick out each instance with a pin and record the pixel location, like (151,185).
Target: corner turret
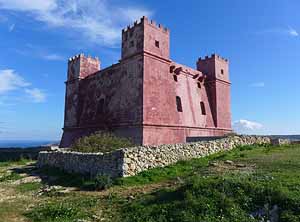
(145,36)
(80,67)
(217,84)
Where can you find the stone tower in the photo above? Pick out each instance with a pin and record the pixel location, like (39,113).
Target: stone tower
(79,67)
(145,37)
(216,69)
(146,96)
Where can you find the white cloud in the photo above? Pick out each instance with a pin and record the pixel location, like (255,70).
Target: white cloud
(246,126)
(53,57)
(36,95)
(10,80)
(257,84)
(11,27)
(293,32)
(25,5)
(281,31)
(98,20)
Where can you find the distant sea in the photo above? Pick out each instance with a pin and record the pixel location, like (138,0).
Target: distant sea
(26,143)
(290,137)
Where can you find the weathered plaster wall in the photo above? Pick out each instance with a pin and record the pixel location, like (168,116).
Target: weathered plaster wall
(108,99)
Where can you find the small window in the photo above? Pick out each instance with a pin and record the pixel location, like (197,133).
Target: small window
(100,108)
(175,78)
(199,85)
(125,36)
(131,33)
(203,111)
(178,104)
(222,71)
(157,44)
(131,44)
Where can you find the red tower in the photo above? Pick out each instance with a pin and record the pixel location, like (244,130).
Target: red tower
(218,87)
(147,96)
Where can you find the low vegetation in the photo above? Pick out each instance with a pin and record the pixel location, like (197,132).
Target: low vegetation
(100,142)
(249,183)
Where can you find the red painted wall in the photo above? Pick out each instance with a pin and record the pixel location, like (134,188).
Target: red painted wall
(136,98)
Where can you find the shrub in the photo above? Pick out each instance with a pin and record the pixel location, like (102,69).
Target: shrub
(100,142)
(103,182)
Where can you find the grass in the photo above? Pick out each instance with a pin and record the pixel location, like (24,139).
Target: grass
(64,209)
(28,187)
(76,180)
(262,180)
(20,162)
(225,196)
(186,168)
(10,177)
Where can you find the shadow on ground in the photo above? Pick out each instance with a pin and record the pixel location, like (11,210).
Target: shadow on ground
(56,177)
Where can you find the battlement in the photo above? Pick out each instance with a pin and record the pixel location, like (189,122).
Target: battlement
(145,20)
(80,66)
(81,55)
(213,56)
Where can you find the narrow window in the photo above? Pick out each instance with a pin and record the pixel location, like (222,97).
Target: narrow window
(178,103)
(157,44)
(125,36)
(131,33)
(202,108)
(131,44)
(175,78)
(222,71)
(100,108)
(199,85)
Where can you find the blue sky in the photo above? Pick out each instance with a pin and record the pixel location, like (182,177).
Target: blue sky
(260,38)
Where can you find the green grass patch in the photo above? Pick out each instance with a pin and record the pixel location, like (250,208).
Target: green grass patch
(15,163)
(215,198)
(10,177)
(28,187)
(208,195)
(83,182)
(64,209)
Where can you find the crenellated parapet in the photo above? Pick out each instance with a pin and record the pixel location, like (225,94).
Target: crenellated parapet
(213,56)
(145,20)
(80,66)
(146,36)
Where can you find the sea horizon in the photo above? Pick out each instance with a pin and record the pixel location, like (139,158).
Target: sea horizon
(26,143)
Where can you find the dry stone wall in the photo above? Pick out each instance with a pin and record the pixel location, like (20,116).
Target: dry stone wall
(142,158)
(130,161)
(84,163)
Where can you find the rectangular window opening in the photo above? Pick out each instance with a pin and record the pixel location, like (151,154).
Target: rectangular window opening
(199,85)
(175,78)
(178,104)
(131,33)
(131,44)
(100,108)
(222,71)
(203,111)
(157,44)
